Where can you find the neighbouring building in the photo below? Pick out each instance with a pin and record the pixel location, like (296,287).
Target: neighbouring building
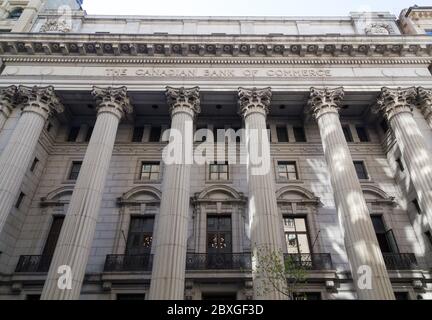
(88,200)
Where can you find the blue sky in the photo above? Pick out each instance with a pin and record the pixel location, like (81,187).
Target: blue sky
(246,7)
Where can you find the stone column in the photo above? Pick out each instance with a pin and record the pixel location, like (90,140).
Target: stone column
(396,105)
(361,244)
(7,102)
(76,237)
(425,97)
(265,221)
(168,276)
(38,104)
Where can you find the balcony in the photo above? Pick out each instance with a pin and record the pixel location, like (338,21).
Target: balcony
(311,261)
(33,264)
(400,261)
(121,262)
(218,261)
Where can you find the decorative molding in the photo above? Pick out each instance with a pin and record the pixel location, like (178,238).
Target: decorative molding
(220,61)
(184,46)
(112,98)
(8,97)
(324,100)
(252,100)
(425,101)
(379,28)
(55,25)
(394,101)
(183,98)
(40,97)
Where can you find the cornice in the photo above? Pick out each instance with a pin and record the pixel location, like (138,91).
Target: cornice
(149,46)
(216,60)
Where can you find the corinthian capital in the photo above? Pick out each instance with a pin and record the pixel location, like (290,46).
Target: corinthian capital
(112,99)
(183,99)
(40,98)
(254,100)
(325,100)
(394,101)
(8,97)
(425,99)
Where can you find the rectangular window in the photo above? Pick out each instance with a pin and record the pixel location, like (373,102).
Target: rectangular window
(428,235)
(362,134)
(401,295)
(360,169)
(218,134)
(34,164)
(155,134)
(347,133)
(386,239)
(282,133)
(53,236)
(150,170)
(130,297)
(299,134)
(73,134)
(19,200)
(219,171)
(307,296)
(219,236)
(296,235)
(138,133)
(89,133)
(287,170)
(140,236)
(384,126)
(428,32)
(75,169)
(400,164)
(417,206)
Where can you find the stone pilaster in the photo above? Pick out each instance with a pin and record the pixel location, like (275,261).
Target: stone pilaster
(265,221)
(76,237)
(168,276)
(396,105)
(38,104)
(7,103)
(361,244)
(425,99)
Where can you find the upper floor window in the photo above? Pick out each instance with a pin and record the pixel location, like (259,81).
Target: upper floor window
(138,133)
(219,171)
(362,134)
(386,239)
(19,200)
(282,134)
(287,170)
(428,32)
(88,134)
(75,169)
(361,171)
(16,13)
(155,134)
(296,235)
(73,134)
(140,236)
(150,170)
(299,134)
(347,133)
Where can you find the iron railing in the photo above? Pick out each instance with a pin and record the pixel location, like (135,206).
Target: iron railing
(400,261)
(122,262)
(33,264)
(310,261)
(218,261)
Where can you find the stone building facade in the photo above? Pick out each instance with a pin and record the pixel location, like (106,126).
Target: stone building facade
(345,103)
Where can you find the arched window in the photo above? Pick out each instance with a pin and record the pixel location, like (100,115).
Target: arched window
(16,13)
